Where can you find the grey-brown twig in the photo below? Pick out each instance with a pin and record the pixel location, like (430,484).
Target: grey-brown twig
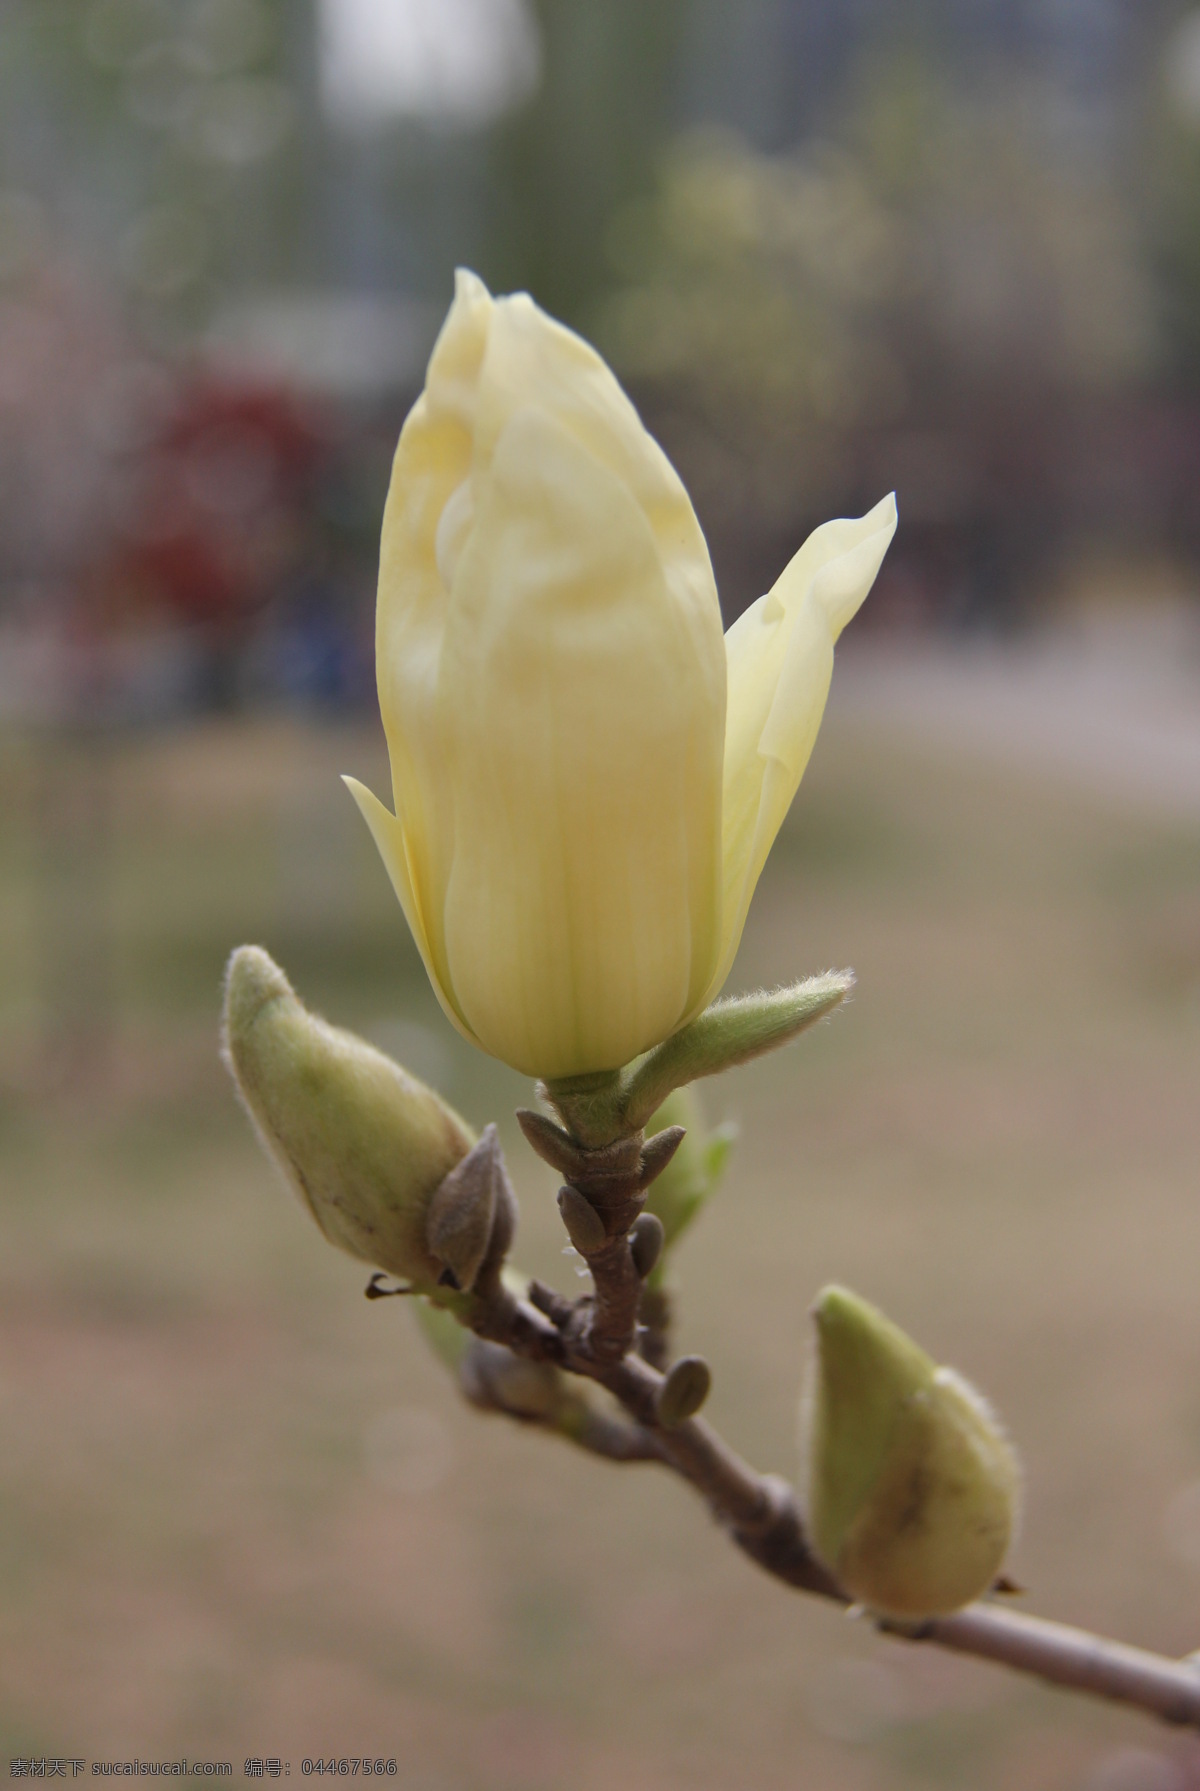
(654,1326)
(600,1201)
(594,1337)
(1072,1657)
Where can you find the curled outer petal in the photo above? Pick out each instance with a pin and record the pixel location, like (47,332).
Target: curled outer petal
(780,661)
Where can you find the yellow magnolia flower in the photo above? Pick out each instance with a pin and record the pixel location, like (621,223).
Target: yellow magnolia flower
(587,778)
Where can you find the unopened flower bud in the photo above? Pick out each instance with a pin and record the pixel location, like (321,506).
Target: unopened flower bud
(587,776)
(364,1144)
(912,1486)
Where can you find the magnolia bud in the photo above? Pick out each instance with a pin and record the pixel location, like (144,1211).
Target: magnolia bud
(911,1485)
(365,1145)
(588,774)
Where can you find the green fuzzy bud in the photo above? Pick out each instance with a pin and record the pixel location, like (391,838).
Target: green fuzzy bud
(731,1031)
(364,1144)
(912,1487)
(607,1105)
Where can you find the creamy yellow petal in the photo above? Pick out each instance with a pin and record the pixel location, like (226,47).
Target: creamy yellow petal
(433,461)
(780,660)
(534,361)
(388,835)
(584,695)
(551,677)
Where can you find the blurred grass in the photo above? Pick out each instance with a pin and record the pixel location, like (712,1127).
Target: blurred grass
(241,1511)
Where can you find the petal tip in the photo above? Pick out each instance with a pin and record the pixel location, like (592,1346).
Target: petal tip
(842,584)
(468,286)
(366,799)
(385,828)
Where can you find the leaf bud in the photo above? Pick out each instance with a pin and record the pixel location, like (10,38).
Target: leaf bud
(585,1227)
(912,1487)
(472,1216)
(646,1242)
(365,1145)
(656,1154)
(683,1392)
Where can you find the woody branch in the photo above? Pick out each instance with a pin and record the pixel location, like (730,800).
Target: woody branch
(596,1337)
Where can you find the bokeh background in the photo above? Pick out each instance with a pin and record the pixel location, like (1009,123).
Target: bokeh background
(832,248)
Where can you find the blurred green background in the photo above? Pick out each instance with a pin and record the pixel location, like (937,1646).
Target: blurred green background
(832,249)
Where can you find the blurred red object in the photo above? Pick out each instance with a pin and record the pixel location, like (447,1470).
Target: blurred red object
(221,496)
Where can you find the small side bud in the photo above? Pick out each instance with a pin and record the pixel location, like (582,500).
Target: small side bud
(658,1151)
(684,1391)
(646,1242)
(363,1143)
(552,1144)
(462,1224)
(504,1226)
(585,1227)
(912,1487)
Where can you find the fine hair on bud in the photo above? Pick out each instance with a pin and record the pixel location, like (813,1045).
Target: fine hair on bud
(364,1144)
(911,1485)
